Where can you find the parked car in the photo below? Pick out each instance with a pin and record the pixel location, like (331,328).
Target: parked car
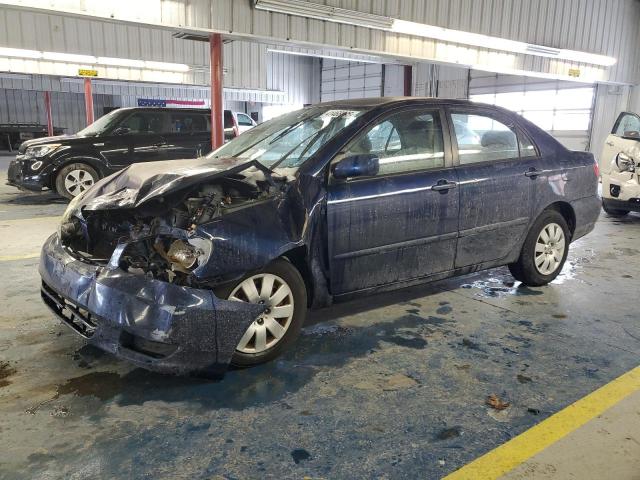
(186,266)
(70,164)
(236,123)
(620,167)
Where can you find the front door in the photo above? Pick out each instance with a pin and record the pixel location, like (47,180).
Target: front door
(497,184)
(402,223)
(142,132)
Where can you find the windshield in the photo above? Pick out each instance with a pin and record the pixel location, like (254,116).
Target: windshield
(289,140)
(101,125)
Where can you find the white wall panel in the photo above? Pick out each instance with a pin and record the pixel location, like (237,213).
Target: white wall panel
(343,80)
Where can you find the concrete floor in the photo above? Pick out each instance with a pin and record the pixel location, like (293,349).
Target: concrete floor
(392,386)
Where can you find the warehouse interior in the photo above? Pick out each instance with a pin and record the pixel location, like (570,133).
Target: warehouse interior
(394,385)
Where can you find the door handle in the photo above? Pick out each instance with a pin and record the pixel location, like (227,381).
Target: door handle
(532,173)
(443,186)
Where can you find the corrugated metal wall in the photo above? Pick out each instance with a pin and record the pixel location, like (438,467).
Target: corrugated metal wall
(430,80)
(343,80)
(601,26)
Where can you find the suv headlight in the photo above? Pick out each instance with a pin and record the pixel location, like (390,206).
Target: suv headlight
(625,163)
(41,150)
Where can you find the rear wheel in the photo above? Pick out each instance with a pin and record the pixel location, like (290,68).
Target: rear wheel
(614,212)
(74,179)
(282,290)
(544,251)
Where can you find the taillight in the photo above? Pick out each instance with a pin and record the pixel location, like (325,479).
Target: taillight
(236,130)
(596,168)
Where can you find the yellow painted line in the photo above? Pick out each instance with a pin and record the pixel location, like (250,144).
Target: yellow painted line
(519,449)
(11,258)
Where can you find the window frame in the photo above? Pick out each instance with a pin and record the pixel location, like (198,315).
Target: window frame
(239,115)
(426,108)
(162,113)
(616,125)
(506,120)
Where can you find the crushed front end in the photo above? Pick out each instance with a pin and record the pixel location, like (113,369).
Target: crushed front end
(135,281)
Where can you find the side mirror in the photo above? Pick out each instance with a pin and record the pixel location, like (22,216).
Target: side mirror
(121,131)
(625,163)
(363,165)
(631,135)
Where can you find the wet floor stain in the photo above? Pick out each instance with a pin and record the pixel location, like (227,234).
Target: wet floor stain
(102,385)
(523,378)
(495,287)
(300,455)
(6,372)
(444,310)
(449,433)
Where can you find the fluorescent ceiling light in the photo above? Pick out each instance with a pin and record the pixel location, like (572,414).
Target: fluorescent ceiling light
(69,57)
(319,55)
(19,52)
(121,62)
(325,12)
(169,67)
(381,22)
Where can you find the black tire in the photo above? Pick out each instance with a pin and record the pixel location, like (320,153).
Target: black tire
(286,271)
(524,269)
(61,188)
(614,212)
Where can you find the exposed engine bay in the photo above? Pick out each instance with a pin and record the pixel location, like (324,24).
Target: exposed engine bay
(157,239)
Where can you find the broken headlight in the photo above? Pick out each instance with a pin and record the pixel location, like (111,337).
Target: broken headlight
(625,163)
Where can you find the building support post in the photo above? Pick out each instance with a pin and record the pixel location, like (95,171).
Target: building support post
(88,100)
(47,110)
(217,114)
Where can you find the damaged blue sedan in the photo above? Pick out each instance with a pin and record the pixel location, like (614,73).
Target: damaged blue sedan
(188,266)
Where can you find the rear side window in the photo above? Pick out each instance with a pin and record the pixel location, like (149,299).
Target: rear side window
(187,122)
(228,119)
(244,120)
(482,138)
(404,142)
(628,123)
(527,148)
(144,122)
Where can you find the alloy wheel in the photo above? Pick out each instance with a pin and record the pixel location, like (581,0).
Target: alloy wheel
(550,248)
(77,181)
(270,327)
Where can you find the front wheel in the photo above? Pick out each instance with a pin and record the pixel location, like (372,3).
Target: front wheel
(282,290)
(544,251)
(74,179)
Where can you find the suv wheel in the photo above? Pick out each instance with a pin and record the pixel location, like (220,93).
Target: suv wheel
(544,251)
(74,179)
(281,288)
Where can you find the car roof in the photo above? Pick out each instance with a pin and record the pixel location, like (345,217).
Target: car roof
(166,109)
(378,101)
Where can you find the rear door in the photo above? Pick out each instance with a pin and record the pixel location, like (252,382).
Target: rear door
(627,125)
(189,134)
(497,183)
(402,223)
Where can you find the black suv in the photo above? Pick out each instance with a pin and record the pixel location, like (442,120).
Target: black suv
(70,164)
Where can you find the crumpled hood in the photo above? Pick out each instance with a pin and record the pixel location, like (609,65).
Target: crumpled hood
(141,182)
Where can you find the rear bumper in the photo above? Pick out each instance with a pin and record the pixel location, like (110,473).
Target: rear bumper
(587,211)
(152,324)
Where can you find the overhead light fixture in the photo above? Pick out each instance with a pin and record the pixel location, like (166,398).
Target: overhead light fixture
(121,62)
(69,58)
(325,12)
(371,59)
(381,22)
(19,53)
(169,67)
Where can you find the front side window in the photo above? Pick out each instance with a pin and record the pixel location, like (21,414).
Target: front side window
(143,122)
(628,123)
(483,139)
(244,120)
(404,142)
(186,122)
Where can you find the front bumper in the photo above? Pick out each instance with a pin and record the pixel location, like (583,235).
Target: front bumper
(20,175)
(153,324)
(632,205)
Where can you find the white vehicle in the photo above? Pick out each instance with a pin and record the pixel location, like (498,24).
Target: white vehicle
(236,123)
(620,167)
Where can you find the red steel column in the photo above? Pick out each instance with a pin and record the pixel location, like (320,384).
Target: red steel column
(217,127)
(47,110)
(88,100)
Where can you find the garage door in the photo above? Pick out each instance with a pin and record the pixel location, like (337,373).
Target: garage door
(342,80)
(564,109)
